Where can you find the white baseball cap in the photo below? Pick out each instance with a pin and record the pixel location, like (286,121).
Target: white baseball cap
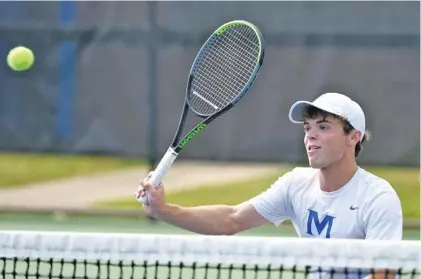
(334,103)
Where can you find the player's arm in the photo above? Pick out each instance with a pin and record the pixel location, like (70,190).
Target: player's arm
(207,219)
(212,219)
(217,219)
(384,221)
(382,274)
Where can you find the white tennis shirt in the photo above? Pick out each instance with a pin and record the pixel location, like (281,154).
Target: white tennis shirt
(367,207)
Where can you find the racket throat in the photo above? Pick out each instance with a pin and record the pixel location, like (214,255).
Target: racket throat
(189,136)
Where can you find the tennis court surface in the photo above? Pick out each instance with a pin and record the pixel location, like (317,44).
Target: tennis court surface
(42,254)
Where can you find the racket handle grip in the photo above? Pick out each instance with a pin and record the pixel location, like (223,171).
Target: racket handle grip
(160,172)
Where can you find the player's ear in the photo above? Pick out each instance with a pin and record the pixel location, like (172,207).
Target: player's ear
(354,137)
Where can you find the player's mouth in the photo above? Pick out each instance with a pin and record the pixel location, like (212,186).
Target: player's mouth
(312,148)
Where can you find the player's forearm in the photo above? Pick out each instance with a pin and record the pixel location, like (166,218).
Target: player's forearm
(209,220)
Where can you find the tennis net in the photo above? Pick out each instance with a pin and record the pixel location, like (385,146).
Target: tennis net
(29,254)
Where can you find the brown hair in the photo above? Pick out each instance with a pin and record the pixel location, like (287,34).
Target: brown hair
(313,112)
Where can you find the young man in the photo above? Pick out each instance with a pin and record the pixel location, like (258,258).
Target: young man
(333,198)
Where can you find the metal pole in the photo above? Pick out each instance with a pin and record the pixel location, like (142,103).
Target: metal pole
(67,77)
(152,63)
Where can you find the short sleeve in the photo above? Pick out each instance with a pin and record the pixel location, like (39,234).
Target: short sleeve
(273,204)
(384,217)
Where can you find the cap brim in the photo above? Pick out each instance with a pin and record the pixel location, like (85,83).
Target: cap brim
(296,113)
(297,110)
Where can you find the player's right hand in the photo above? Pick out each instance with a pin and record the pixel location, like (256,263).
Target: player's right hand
(156,196)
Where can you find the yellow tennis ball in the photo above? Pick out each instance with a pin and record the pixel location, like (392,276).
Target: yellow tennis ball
(20,58)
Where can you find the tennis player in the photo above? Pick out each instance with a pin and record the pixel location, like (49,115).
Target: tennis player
(333,198)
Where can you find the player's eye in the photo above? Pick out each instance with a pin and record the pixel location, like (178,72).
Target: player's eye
(324,127)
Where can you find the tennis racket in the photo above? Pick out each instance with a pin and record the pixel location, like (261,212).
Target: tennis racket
(221,74)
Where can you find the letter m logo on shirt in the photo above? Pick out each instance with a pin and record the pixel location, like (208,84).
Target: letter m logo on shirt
(313,221)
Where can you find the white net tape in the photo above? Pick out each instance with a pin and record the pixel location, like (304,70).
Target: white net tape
(212,249)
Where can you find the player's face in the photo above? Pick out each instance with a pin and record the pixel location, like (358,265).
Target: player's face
(324,140)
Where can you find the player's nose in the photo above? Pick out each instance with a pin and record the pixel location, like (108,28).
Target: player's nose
(310,136)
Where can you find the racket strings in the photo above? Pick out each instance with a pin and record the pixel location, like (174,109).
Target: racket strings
(235,57)
(226,66)
(231,62)
(219,102)
(213,80)
(230,58)
(254,46)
